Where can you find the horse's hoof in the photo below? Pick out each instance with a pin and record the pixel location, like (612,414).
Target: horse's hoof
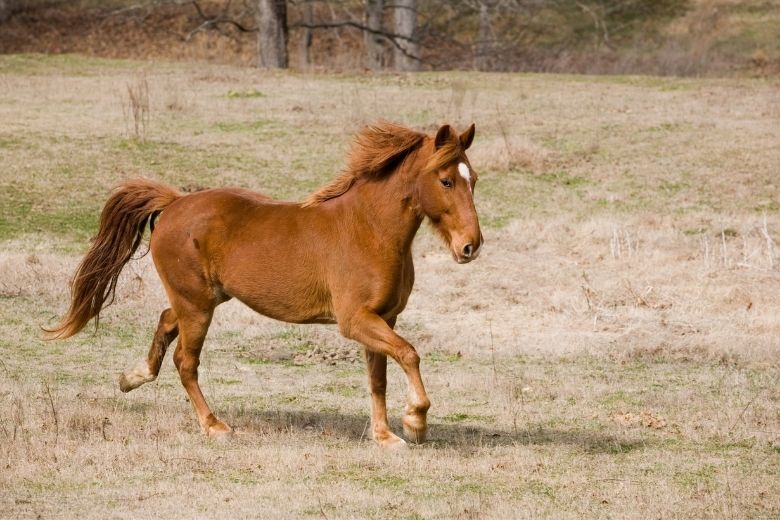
(415,428)
(220,432)
(134,377)
(391,441)
(400,446)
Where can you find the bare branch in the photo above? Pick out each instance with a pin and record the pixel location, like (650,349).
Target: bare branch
(391,37)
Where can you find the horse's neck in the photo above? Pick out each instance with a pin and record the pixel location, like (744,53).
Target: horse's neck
(388,209)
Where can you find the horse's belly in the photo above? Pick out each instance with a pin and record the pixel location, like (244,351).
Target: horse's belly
(284,300)
(290,314)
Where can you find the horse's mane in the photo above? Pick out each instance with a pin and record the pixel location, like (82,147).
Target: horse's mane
(375,151)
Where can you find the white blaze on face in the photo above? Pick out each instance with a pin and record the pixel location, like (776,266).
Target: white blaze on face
(463,169)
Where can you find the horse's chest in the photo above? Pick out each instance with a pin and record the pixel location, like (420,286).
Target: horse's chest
(397,288)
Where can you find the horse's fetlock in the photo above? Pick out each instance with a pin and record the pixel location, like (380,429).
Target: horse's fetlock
(419,408)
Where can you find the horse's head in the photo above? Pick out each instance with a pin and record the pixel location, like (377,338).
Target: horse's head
(445,193)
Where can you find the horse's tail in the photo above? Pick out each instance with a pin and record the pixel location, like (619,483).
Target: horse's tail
(122,224)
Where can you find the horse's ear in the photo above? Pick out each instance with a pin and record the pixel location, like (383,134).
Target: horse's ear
(467,137)
(445,133)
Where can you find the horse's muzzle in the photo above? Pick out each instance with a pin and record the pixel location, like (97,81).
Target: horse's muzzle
(468,252)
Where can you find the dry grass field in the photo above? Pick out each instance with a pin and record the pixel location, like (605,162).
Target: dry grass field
(614,352)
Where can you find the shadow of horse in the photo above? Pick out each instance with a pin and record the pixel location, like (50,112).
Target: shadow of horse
(440,435)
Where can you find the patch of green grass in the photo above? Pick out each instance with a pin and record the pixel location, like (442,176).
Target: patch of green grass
(343,390)
(245,126)
(538,487)
(256,361)
(23,214)
(241,94)
(720,446)
(459,417)
(694,231)
(669,127)
(293,337)
(245,477)
(386,481)
(563,178)
(704,476)
(291,334)
(10,141)
(70,64)
(420,117)
(478,488)
(767,207)
(226,381)
(618,447)
(443,357)
(659,83)
(671,187)
(619,398)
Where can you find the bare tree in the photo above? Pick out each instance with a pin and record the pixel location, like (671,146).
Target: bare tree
(6,8)
(407,52)
(483,45)
(374,41)
(272,34)
(307,16)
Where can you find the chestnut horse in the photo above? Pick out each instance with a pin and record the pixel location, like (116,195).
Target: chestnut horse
(342,256)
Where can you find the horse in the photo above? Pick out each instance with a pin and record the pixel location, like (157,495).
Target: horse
(341,256)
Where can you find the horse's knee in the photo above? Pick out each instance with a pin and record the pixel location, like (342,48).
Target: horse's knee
(185,362)
(409,357)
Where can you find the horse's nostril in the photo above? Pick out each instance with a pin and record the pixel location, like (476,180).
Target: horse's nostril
(467,250)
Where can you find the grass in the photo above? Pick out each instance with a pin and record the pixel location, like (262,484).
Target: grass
(612,353)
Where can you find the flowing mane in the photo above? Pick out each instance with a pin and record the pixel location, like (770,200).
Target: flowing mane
(375,150)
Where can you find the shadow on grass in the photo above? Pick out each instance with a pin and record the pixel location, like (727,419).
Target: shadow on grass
(440,435)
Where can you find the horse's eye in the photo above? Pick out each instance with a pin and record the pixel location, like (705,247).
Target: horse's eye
(446,183)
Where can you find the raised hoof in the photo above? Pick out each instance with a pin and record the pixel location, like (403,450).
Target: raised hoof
(134,377)
(415,428)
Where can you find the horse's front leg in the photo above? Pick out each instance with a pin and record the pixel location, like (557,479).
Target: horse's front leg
(377,385)
(378,337)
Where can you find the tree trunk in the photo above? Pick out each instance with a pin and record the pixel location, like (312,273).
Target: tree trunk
(406,26)
(306,36)
(483,43)
(374,42)
(5,10)
(272,34)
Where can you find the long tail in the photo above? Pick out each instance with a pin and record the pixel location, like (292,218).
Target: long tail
(122,225)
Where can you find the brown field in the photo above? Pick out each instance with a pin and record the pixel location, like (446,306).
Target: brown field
(613,352)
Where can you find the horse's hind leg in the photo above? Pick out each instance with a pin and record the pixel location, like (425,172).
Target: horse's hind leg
(193,325)
(147,369)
